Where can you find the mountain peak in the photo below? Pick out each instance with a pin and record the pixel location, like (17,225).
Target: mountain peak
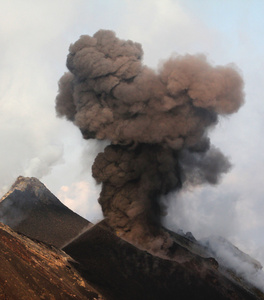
(34,187)
(25,183)
(30,208)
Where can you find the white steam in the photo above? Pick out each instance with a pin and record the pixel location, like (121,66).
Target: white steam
(42,164)
(232,258)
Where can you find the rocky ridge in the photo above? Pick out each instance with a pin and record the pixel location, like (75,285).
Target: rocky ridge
(30,208)
(110,265)
(30,269)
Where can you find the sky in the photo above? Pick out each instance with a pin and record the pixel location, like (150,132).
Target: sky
(34,38)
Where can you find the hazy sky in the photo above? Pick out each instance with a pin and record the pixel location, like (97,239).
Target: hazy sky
(35,36)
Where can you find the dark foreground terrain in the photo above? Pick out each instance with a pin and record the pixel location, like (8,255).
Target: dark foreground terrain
(121,271)
(99,264)
(32,270)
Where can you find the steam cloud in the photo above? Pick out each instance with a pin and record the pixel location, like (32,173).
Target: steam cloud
(157,123)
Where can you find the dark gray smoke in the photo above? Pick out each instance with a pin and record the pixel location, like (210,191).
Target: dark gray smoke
(157,124)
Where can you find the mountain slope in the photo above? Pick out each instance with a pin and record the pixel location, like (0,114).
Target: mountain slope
(112,266)
(121,271)
(30,208)
(33,270)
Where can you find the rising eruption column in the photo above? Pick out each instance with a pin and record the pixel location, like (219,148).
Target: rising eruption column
(157,123)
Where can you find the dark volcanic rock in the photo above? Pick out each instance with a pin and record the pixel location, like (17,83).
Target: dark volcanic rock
(32,270)
(30,208)
(121,271)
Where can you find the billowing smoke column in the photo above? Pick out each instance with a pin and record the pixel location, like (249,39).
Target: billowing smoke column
(157,124)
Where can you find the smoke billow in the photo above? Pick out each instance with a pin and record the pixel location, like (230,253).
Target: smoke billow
(156,121)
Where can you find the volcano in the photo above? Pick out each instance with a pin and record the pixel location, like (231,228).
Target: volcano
(30,208)
(99,262)
(119,270)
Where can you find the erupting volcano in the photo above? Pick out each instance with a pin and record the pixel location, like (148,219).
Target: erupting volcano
(156,121)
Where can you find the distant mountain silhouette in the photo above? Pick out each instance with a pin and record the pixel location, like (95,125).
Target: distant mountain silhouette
(30,208)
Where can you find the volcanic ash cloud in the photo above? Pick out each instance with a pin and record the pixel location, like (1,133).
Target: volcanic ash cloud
(156,121)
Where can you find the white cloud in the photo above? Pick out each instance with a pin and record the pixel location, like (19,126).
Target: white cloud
(28,127)
(42,164)
(165,27)
(81,197)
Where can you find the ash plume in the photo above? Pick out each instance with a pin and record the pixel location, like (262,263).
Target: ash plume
(157,123)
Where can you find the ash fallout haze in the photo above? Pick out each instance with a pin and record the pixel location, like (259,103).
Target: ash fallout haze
(195,53)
